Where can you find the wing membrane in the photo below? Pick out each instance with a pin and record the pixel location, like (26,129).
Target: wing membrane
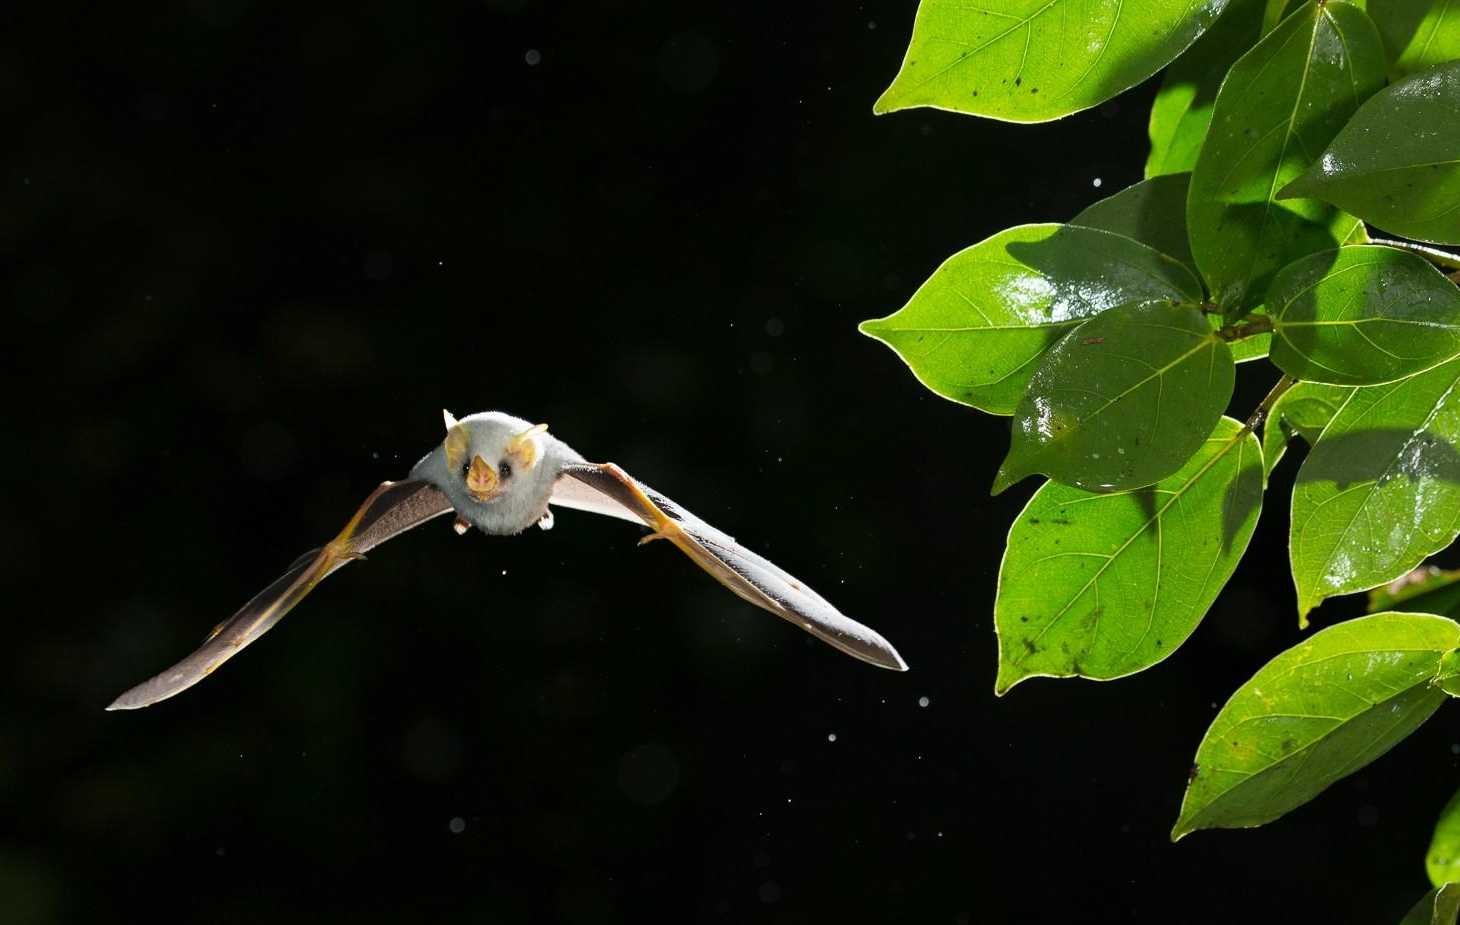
(390,510)
(607,489)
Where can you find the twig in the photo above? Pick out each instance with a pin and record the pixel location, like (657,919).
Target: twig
(1262,411)
(1256,324)
(1433,254)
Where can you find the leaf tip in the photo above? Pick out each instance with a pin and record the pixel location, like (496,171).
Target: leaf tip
(1005,477)
(887,102)
(1303,611)
(1184,820)
(1009,675)
(1306,606)
(1298,188)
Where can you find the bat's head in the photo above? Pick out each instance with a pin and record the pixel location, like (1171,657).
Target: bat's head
(497,470)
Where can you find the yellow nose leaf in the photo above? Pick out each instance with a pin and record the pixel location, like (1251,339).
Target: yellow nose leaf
(481,480)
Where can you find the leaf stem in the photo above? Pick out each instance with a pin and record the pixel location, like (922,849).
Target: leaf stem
(1256,418)
(1433,254)
(1254,325)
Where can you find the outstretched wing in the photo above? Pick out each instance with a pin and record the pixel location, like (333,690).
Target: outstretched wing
(607,489)
(391,509)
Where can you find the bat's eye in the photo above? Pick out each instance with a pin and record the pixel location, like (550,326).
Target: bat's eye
(465,469)
(505,469)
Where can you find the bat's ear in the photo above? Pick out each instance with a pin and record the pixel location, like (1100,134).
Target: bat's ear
(524,445)
(458,442)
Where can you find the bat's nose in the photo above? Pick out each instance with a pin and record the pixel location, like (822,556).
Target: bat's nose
(481,479)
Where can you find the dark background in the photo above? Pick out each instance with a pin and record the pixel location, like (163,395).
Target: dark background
(255,248)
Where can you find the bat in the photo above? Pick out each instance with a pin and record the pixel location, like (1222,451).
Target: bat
(501,475)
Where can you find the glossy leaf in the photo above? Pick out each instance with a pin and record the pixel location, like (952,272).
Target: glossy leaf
(1396,163)
(1276,11)
(1380,490)
(1036,60)
(1100,586)
(1313,715)
(1183,106)
(1440,906)
(1417,33)
(1362,315)
(1448,678)
(1442,861)
(1123,401)
(1152,212)
(1280,105)
(1305,409)
(974,332)
(1426,589)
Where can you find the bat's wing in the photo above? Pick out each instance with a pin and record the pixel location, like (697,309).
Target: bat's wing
(607,489)
(391,509)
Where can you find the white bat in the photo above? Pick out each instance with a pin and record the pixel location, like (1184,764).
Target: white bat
(500,474)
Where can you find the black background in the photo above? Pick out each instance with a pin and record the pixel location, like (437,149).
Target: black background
(256,248)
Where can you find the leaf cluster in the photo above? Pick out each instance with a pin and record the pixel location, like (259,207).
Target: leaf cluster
(1283,136)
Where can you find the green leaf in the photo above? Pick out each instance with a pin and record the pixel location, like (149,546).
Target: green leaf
(1417,33)
(1442,861)
(1101,586)
(974,332)
(1381,489)
(1305,409)
(1440,906)
(1396,163)
(1362,315)
(1426,589)
(1280,104)
(1448,678)
(1036,60)
(1152,212)
(1276,11)
(1183,106)
(1314,714)
(1123,401)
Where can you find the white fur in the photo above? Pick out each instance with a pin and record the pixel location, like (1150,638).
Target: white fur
(524,495)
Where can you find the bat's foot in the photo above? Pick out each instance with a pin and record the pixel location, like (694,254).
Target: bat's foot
(668,530)
(461,525)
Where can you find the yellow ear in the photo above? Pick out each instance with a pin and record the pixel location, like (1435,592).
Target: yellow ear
(458,442)
(524,447)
